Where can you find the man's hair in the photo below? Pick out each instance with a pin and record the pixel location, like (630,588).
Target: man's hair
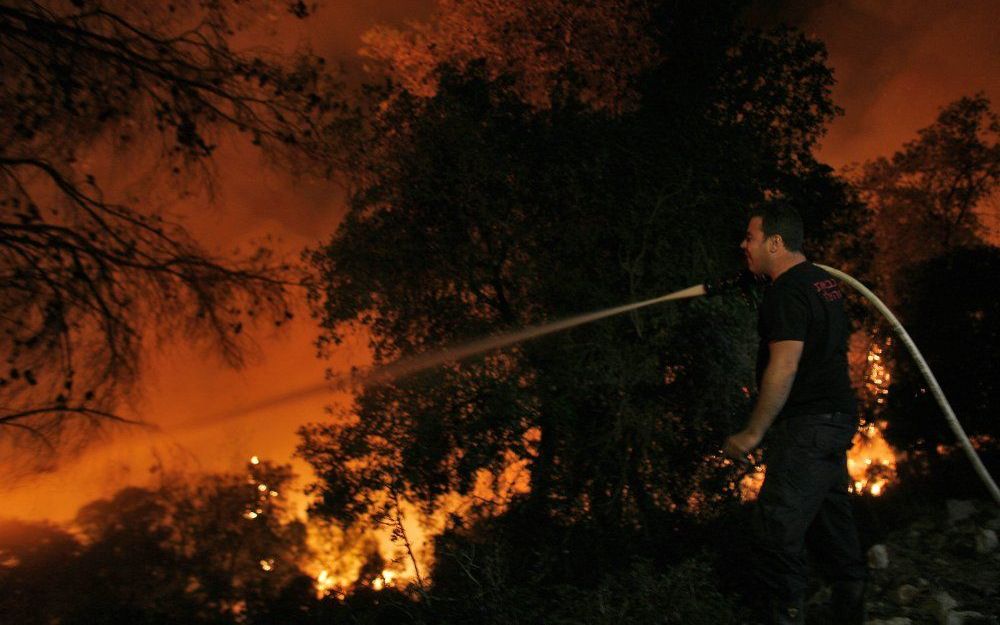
(779,217)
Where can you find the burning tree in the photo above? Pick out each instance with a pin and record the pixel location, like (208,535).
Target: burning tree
(84,277)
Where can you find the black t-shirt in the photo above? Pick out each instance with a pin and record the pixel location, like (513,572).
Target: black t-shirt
(806,304)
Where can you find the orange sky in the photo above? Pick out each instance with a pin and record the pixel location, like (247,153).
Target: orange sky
(896,64)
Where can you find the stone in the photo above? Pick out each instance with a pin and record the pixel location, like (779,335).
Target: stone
(970,617)
(986,541)
(960,510)
(950,618)
(895,620)
(942,605)
(878,557)
(905,594)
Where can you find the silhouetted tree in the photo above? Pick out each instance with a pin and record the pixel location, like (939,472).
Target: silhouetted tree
(477,211)
(948,304)
(926,197)
(551,51)
(82,276)
(35,569)
(213,549)
(210,549)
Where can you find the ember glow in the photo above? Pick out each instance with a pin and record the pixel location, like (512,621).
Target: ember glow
(871,462)
(877,376)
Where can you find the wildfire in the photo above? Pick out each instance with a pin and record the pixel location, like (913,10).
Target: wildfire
(877,375)
(871,462)
(383,580)
(751,483)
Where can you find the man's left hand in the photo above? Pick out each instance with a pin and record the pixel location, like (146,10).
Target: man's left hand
(739,445)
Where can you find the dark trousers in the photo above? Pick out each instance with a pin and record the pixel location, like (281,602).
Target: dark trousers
(804,500)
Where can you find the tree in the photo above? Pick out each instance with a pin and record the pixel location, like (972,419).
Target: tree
(943,327)
(926,197)
(33,571)
(477,212)
(85,277)
(552,50)
(186,552)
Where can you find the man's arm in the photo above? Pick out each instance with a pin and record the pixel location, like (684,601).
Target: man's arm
(775,385)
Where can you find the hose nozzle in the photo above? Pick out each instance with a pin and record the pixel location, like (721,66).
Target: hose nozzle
(745,281)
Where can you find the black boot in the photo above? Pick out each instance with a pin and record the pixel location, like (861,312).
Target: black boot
(847,604)
(791,612)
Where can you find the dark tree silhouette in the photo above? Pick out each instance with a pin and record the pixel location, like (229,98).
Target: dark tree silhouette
(949,304)
(928,196)
(187,552)
(34,571)
(83,277)
(476,212)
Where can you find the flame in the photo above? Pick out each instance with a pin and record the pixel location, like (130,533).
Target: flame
(871,462)
(877,375)
(339,554)
(325,584)
(751,483)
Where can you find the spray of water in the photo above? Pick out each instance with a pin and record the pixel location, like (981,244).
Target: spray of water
(409,366)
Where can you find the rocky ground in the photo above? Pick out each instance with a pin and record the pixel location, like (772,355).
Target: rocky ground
(942,569)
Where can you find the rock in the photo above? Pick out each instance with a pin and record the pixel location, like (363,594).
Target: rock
(896,620)
(960,510)
(993,524)
(905,594)
(970,617)
(822,596)
(986,541)
(941,605)
(878,557)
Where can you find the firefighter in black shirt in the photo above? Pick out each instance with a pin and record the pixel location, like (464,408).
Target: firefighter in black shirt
(807,409)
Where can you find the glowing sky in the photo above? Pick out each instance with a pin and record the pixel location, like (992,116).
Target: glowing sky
(896,64)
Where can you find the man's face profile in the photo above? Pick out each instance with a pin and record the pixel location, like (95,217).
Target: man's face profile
(754,246)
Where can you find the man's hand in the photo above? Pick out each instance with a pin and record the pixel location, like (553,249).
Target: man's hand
(739,445)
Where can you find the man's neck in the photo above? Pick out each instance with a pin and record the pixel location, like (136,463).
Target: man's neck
(786,263)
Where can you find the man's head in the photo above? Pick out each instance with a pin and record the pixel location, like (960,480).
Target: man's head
(773,238)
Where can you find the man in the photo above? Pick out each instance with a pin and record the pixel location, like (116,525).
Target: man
(807,408)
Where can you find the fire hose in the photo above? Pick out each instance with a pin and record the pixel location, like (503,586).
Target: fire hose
(932,382)
(745,283)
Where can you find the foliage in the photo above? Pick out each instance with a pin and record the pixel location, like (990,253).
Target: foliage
(33,570)
(475,213)
(928,196)
(943,327)
(84,277)
(182,553)
(552,51)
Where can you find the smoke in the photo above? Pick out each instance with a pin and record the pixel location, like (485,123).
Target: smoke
(896,64)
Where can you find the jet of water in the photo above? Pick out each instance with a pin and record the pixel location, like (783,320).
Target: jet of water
(409,366)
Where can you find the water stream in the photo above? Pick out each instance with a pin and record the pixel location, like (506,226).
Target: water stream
(409,366)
